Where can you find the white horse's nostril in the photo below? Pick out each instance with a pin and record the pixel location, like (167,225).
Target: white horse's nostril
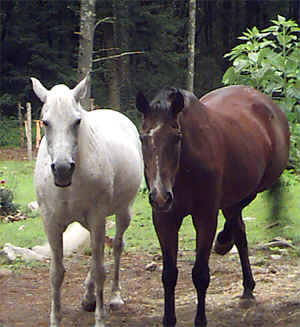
(53,167)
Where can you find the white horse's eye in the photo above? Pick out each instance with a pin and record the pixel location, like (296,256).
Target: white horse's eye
(45,122)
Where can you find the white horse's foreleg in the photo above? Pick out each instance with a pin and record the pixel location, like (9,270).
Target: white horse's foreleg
(57,272)
(98,270)
(122,222)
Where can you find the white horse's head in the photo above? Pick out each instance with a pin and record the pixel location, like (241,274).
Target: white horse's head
(61,117)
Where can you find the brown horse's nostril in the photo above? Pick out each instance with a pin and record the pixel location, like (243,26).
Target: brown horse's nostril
(169,197)
(152,197)
(160,200)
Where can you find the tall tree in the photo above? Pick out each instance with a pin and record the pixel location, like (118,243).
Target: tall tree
(191,45)
(113,73)
(85,55)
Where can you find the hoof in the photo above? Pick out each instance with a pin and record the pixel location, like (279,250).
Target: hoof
(246,303)
(200,322)
(89,307)
(116,304)
(223,248)
(247,295)
(100,325)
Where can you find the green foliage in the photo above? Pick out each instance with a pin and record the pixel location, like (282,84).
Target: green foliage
(18,176)
(7,206)
(269,60)
(46,33)
(10,132)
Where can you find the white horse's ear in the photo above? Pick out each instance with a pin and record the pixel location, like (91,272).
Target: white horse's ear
(80,89)
(40,91)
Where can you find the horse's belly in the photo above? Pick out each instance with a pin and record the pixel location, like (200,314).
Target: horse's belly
(243,181)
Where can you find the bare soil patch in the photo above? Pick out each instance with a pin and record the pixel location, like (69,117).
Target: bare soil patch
(13,154)
(25,295)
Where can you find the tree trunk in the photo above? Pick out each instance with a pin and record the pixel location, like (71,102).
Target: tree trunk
(110,42)
(191,45)
(125,80)
(85,56)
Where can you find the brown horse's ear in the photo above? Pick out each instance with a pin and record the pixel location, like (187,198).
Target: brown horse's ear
(142,103)
(177,102)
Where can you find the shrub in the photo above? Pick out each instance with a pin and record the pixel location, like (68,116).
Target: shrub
(7,207)
(269,60)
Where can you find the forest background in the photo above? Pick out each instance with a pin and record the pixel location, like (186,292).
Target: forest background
(40,38)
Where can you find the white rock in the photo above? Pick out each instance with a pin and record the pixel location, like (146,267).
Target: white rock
(33,205)
(13,252)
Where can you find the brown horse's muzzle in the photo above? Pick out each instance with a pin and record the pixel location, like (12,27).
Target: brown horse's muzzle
(161,200)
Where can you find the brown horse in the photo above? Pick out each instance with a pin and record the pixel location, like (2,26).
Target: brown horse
(202,156)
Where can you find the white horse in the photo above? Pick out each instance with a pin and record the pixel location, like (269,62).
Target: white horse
(89,166)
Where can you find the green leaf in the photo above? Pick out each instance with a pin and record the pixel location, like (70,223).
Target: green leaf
(253,57)
(229,76)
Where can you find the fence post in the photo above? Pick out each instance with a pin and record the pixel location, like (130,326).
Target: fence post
(28,134)
(38,134)
(20,118)
(92,104)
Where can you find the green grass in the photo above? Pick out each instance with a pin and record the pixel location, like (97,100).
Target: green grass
(140,234)
(19,178)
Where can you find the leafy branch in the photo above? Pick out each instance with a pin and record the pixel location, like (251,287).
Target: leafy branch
(269,60)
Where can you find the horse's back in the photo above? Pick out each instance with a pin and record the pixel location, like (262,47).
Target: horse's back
(119,138)
(255,136)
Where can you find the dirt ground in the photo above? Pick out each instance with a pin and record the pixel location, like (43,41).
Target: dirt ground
(25,294)
(13,154)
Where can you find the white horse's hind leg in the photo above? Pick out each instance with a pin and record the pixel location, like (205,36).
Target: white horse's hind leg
(89,300)
(57,272)
(122,222)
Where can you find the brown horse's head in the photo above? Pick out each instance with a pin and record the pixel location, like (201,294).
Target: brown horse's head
(161,144)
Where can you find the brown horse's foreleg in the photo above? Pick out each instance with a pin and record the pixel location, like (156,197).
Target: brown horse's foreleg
(167,227)
(205,232)
(237,226)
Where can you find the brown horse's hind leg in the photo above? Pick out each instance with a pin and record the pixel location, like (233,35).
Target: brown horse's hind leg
(235,224)
(224,241)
